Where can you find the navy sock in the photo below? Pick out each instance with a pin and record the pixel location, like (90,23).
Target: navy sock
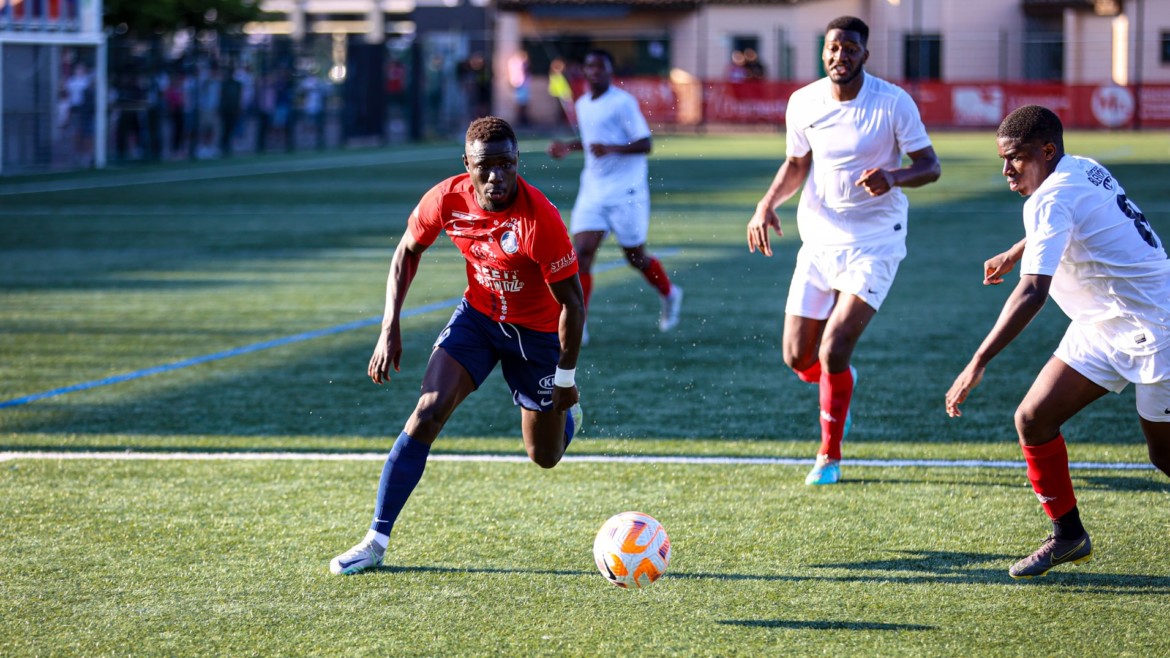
(403,469)
(1068,526)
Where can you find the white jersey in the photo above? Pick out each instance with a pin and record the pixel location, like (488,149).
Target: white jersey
(873,130)
(612,118)
(1108,267)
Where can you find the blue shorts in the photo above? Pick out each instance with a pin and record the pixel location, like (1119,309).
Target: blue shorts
(529,357)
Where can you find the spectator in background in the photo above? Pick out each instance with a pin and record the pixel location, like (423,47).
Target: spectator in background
(313,106)
(560,89)
(284,113)
(208,111)
(191,112)
(265,110)
(247,81)
(477,84)
(737,69)
(752,64)
(81,111)
(230,106)
(521,86)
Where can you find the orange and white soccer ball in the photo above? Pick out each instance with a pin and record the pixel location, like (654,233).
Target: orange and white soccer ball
(632,550)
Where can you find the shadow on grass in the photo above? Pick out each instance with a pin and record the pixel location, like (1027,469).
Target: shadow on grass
(917,567)
(1156,483)
(825,625)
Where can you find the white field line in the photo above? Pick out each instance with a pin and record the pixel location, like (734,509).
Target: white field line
(590,459)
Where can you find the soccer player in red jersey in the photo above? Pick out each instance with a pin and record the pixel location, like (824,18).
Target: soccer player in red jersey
(523,308)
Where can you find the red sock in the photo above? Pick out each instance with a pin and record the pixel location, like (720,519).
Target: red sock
(586,287)
(657,277)
(836,393)
(811,374)
(1048,472)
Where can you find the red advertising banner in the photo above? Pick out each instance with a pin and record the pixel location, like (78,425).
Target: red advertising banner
(943,105)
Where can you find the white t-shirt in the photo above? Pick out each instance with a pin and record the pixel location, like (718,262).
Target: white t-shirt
(1108,267)
(612,118)
(873,130)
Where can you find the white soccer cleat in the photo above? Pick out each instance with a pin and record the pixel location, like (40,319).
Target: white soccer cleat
(671,305)
(368,553)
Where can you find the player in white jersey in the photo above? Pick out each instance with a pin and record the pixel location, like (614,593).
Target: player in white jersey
(614,195)
(1088,246)
(847,134)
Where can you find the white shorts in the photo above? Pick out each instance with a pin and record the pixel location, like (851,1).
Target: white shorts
(821,272)
(1083,350)
(626,215)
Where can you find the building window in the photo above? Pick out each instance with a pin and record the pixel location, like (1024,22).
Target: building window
(1044,48)
(1165,42)
(923,57)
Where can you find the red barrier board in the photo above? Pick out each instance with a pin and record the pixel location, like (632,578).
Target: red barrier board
(943,105)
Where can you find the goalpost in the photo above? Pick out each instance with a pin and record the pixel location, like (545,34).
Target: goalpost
(53,105)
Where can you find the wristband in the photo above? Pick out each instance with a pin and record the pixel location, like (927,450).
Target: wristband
(565,378)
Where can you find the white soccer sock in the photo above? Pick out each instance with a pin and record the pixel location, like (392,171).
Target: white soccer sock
(379,538)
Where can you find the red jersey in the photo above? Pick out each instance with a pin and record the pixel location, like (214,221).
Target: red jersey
(511,255)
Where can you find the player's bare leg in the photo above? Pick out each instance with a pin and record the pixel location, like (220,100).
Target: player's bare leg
(1157,443)
(446,383)
(547,433)
(1057,395)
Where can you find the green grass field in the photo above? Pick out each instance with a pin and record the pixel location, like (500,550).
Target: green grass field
(104,274)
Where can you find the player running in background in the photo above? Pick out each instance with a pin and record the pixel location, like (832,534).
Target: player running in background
(614,195)
(523,307)
(846,135)
(1089,247)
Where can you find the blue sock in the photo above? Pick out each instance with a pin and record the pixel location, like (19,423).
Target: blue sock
(403,469)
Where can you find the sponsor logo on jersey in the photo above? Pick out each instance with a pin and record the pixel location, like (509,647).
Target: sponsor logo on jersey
(498,280)
(509,243)
(564,262)
(547,382)
(482,252)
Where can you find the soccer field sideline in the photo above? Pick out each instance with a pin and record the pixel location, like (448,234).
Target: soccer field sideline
(583,459)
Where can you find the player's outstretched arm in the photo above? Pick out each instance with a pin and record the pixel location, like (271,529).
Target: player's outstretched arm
(1024,303)
(787,181)
(569,295)
(403,267)
(995,267)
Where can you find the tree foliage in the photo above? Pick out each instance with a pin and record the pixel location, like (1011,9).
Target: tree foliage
(141,17)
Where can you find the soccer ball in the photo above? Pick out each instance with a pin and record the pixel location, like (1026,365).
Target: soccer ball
(631,549)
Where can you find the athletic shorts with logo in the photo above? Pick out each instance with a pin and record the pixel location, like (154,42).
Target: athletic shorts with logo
(821,272)
(624,212)
(528,358)
(1085,351)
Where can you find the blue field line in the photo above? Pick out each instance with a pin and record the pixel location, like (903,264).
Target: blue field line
(256,347)
(226,354)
